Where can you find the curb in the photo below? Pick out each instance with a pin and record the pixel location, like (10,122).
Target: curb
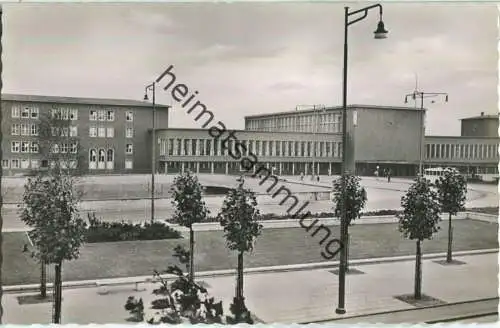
(406,310)
(259,270)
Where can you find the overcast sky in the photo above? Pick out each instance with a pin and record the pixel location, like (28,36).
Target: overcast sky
(251,58)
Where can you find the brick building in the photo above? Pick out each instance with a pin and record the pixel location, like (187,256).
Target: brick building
(114,134)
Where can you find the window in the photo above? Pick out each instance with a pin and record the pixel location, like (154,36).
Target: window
(55,113)
(15,129)
(14,164)
(93,115)
(34,129)
(129,149)
(25,163)
(92,131)
(34,112)
(14,147)
(92,156)
(73,131)
(54,149)
(101,132)
(73,164)
(74,148)
(5,163)
(101,114)
(25,112)
(65,132)
(35,164)
(25,147)
(102,155)
(110,155)
(34,147)
(110,115)
(130,133)
(25,129)
(110,132)
(73,114)
(64,148)
(65,114)
(129,116)
(129,164)
(15,111)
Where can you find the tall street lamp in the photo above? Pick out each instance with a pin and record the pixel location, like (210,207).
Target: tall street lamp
(380,33)
(152,88)
(423,95)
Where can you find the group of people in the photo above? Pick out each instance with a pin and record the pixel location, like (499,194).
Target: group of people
(386,173)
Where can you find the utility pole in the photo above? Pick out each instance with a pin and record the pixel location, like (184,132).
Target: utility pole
(423,95)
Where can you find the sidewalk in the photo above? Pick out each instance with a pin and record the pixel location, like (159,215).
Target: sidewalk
(290,297)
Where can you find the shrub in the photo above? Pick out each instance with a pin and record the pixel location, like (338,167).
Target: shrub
(99,231)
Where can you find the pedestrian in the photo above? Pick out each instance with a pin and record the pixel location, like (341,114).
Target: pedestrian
(389,175)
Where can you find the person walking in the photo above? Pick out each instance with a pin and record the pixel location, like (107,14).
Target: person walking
(389,175)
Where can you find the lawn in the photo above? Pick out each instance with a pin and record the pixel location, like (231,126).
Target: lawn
(274,247)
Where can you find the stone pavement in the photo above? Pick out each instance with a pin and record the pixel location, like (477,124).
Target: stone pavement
(291,297)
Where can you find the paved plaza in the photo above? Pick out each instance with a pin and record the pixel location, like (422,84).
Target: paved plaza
(381,195)
(291,297)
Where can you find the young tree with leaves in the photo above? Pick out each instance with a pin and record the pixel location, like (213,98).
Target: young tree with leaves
(50,209)
(59,146)
(238,216)
(419,221)
(452,191)
(181,301)
(355,200)
(189,208)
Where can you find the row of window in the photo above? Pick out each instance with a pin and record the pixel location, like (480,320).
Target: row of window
(34,164)
(24,147)
(24,129)
(71,114)
(108,132)
(64,114)
(202,147)
(467,151)
(24,112)
(101,159)
(108,115)
(315,122)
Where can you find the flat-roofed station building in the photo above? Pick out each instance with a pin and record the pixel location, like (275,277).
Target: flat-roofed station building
(115,136)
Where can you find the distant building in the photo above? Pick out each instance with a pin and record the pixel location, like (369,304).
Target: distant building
(480,126)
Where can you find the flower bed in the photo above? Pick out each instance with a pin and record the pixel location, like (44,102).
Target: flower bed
(99,231)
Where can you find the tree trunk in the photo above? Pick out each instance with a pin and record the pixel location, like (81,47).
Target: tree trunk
(450,239)
(43,279)
(239,299)
(57,293)
(347,247)
(418,272)
(191,254)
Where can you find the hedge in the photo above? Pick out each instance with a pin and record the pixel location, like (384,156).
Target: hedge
(270,216)
(99,231)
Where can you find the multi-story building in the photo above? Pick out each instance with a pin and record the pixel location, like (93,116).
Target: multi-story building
(113,134)
(116,138)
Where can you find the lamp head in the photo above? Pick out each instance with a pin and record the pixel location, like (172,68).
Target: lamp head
(380,32)
(146,97)
(446,98)
(406,99)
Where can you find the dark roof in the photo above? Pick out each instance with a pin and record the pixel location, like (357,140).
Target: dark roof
(481,117)
(77,100)
(354,106)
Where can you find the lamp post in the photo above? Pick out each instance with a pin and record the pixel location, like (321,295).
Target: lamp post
(422,95)
(152,87)
(380,33)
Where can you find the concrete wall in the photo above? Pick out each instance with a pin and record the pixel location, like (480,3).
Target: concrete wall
(480,127)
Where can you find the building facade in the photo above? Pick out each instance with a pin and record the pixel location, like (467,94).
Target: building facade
(480,126)
(113,135)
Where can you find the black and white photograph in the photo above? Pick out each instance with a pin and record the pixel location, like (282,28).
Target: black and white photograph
(249,162)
